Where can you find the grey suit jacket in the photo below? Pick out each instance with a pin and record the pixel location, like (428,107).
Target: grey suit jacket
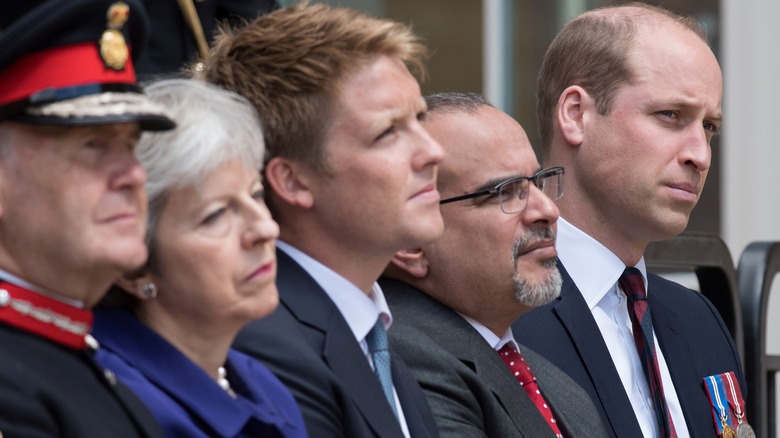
(469,388)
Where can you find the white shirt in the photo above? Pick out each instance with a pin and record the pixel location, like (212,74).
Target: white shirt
(358,309)
(580,255)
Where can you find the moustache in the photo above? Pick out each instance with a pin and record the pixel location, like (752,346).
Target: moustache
(532,237)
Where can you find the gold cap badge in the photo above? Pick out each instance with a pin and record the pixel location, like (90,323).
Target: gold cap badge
(113,48)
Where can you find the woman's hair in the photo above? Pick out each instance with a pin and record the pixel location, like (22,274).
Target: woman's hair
(213,126)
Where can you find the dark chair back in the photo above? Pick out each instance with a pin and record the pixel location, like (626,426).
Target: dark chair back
(758,265)
(709,258)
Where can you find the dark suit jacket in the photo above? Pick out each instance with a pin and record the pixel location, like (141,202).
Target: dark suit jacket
(690,332)
(307,343)
(47,390)
(171,43)
(470,389)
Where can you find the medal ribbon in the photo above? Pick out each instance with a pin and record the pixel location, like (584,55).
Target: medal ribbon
(717,394)
(734,396)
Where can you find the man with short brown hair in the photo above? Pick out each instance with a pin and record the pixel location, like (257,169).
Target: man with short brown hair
(351,179)
(629,100)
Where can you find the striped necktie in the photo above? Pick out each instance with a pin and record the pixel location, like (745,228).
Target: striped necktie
(633,286)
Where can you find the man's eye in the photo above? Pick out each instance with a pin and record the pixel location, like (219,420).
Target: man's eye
(711,127)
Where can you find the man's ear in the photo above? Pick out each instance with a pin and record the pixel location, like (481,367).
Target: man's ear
(571,113)
(140,286)
(412,261)
(290,181)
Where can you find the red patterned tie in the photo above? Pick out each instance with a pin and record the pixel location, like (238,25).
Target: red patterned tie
(634,287)
(514,360)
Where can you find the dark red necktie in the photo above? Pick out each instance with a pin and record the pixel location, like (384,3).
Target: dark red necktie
(633,286)
(522,372)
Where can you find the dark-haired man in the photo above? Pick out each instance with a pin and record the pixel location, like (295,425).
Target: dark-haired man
(454,299)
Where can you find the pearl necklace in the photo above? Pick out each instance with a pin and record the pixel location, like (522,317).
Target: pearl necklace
(223,382)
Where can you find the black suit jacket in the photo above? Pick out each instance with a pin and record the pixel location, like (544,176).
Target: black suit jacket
(171,43)
(47,390)
(694,340)
(307,343)
(469,387)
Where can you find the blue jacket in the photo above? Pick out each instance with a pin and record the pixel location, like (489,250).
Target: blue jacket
(185,400)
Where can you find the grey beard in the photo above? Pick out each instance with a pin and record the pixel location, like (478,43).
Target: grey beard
(540,293)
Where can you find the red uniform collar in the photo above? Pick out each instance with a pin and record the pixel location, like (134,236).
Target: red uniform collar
(44,316)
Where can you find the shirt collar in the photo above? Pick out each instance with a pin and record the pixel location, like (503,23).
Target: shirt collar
(11,278)
(358,309)
(491,338)
(580,253)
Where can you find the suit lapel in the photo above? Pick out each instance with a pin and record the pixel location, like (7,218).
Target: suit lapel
(573,409)
(687,381)
(410,396)
(574,314)
(344,356)
(309,303)
(457,336)
(510,394)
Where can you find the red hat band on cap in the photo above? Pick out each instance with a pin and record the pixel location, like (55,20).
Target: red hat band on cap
(59,67)
(69,63)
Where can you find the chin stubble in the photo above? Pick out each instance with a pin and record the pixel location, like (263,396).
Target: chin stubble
(539,293)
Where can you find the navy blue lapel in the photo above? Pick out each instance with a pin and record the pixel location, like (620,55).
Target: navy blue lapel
(574,314)
(680,361)
(419,418)
(336,344)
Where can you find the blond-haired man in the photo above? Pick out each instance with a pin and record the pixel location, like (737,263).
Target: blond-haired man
(351,179)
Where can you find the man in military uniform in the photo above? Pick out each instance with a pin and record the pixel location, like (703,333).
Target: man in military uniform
(72,209)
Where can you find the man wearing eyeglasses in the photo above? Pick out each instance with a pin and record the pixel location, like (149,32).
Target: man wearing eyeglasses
(629,98)
(454,300)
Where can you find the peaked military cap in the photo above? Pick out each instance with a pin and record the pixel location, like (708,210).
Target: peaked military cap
(70,62)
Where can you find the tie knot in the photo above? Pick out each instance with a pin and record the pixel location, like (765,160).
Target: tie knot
(633,284)
(377,337)
(507,350)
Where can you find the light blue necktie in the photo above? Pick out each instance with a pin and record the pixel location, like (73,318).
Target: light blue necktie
(377,346)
